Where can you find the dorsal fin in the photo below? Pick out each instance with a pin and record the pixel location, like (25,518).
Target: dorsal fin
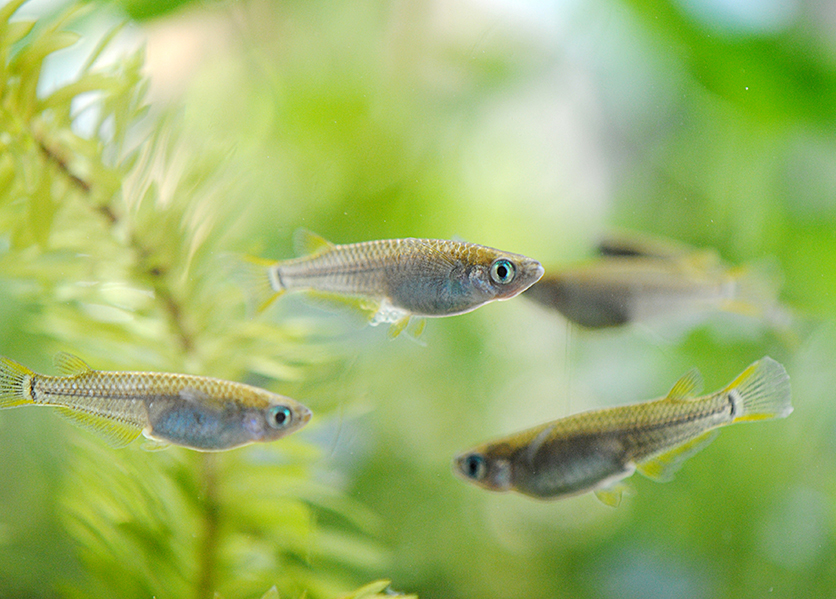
(69,364)
(307,242)
(687,387)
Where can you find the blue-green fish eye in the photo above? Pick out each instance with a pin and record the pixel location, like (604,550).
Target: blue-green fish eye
(279,416)
(475,466)
(503,271)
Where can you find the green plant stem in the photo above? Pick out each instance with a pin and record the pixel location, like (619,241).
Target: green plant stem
(210,508)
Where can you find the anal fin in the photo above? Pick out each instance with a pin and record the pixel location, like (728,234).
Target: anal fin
(113,432)
(662,467)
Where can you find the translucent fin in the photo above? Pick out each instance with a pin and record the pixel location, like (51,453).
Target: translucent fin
(366,307)
(154,445)
(69,364)
(114,433)
(398,327)
(687,387)
(416,327)
(612,494)
(14,379)
(306,242)
(756,288)
(261,288)
(664,466)
(761,391)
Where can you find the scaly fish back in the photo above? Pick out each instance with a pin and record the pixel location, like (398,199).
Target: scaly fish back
(356,268)
(15,382)
(761,391)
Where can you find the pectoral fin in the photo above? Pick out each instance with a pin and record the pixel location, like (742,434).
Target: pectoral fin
(113,432)
(664,466)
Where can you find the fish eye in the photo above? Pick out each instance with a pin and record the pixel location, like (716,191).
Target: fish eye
(475,466)
(279,416)
(503,271)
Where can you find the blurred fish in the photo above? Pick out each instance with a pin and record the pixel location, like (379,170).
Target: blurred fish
(593,451)
(192,411)
(396,279)
(621,289)
(630,244)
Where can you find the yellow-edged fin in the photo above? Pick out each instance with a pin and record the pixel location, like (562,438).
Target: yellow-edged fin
(613,494)
(398,327)
(687,387)
(113,432)
(416,326)
(756,288)
(365,306)
(761,391)
(67,363)
(13,384)
(307,242)
(254,274)
(662,467)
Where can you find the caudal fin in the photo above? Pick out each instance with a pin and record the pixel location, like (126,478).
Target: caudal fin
(761,391)
(14,383)
(261,287)
(756,288)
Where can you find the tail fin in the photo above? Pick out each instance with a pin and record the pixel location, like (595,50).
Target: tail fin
(756,288)
(261,286)
(761,391)
(14,383)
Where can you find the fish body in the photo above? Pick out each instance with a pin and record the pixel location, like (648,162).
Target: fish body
(198,412)
(593,451)
(617,290)
(400,278)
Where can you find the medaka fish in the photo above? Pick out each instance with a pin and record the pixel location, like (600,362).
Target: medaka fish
(593,451)
(198,412)
(621,289)
(396,279)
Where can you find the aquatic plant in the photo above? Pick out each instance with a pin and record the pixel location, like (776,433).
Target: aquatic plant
(113,228)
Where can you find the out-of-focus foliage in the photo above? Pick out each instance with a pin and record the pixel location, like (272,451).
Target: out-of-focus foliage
(527,126)
(113,226)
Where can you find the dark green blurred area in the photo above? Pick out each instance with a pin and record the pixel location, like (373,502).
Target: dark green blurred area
(532,127)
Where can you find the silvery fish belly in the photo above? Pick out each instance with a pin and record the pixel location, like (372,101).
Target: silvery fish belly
(198,412)
(593,451)
(399,278)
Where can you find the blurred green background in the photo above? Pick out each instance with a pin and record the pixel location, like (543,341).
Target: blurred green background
(534,127)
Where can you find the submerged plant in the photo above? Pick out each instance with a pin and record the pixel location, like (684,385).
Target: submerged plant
(113,229)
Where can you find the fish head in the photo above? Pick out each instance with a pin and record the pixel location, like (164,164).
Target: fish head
(281,417)
(484,468)
(501,275)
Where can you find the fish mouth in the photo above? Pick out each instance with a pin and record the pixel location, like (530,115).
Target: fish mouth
(537,271)
(305,414)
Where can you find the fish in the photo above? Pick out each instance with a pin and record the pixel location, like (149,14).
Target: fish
(396,279)
(597,450)
(198,412)
(616,290)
